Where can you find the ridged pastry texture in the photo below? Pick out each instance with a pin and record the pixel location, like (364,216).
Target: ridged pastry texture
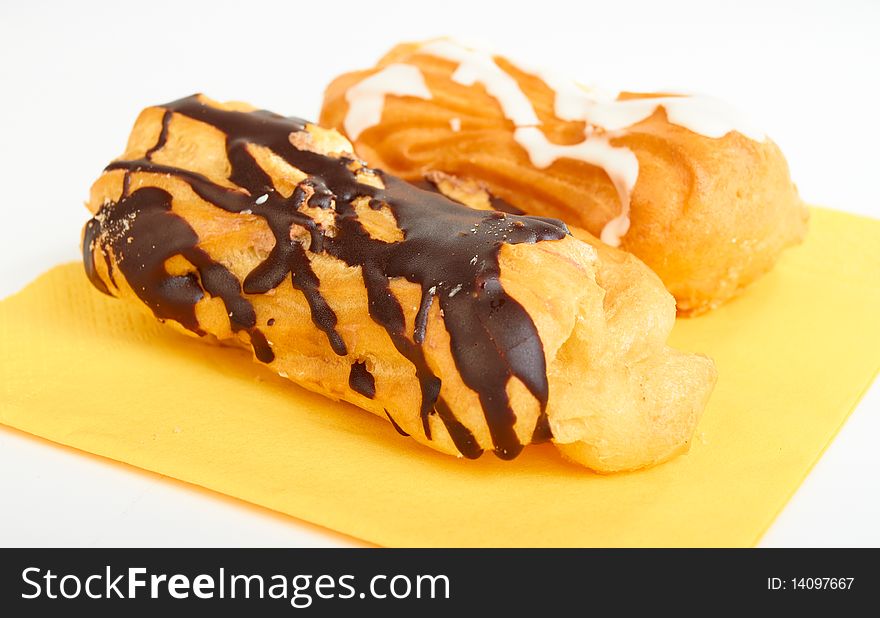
(469,330)
(709,213)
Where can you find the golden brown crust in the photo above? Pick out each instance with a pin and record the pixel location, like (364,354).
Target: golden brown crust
(619,398)
(709,215)
(642,407)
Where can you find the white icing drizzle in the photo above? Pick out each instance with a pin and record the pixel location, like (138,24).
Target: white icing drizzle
(620,164)
(476,66)
(599,110)
(367,98)
(569,95)
(705,115)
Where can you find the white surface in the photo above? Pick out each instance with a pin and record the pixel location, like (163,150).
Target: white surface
(74,75)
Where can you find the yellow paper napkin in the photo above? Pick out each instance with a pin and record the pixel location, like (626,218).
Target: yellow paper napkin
(794,354)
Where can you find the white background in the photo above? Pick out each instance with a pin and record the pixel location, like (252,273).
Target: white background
(74,75)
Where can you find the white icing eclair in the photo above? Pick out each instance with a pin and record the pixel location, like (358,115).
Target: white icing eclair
(686,183)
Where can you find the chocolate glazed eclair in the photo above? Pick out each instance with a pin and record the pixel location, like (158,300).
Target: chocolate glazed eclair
(468,330)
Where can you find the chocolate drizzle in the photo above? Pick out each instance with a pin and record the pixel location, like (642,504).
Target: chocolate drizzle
(163,137)
(262,348)
(89,245)
(503,205)
(397,427)
(450,251)
(143,233)
(361,380)
(429,183)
